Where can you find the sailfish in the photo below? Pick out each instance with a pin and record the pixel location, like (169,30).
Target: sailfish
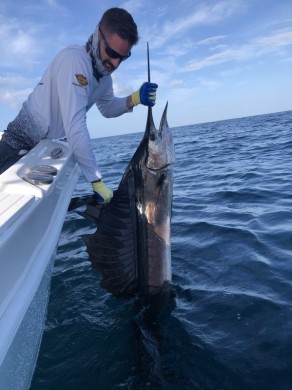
(131,246)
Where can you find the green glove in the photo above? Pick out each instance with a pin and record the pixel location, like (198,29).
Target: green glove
(102,193)
(145,95)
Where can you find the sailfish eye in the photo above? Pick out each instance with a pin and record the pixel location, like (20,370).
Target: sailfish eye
(152,137)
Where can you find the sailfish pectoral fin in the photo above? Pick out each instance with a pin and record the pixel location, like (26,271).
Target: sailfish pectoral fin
(112,248)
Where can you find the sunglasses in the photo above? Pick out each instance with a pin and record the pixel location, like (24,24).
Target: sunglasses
(111,52)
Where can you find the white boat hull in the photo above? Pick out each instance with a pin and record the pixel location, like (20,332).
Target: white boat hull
(31,219)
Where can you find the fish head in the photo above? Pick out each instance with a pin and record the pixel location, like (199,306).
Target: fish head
(160,144)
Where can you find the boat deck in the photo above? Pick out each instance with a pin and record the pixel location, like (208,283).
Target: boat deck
(32,213)
(12,207)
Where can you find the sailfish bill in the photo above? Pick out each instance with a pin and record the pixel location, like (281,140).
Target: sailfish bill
(132,243)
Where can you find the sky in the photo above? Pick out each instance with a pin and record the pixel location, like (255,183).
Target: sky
(212,59)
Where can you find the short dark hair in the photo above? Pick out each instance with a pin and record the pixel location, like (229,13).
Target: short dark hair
(119,21)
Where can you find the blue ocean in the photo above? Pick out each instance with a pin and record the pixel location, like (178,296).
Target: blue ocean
(230,323)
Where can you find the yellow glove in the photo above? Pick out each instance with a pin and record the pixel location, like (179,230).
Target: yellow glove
(145,95)
(102,193)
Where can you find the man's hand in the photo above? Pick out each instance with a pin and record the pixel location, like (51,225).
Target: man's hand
(145,95)
(102,193)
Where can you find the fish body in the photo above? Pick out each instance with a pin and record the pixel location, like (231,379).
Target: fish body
(132,244)
(152,168)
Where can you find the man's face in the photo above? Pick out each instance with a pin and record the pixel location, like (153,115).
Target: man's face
(113,50)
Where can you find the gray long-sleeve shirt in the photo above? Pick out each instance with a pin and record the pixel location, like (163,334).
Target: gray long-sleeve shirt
(58,105)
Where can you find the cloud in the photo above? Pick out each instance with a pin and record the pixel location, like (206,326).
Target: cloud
(133,6)
(257,47)
(216,59)
(176,50)
(280,38)
(176,83)
(209,84)
(18,46)
(211,40)
(15,99)
(53,3)
(288,59)
(206,15)
(15,89)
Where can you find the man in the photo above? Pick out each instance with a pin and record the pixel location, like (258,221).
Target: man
(78,77)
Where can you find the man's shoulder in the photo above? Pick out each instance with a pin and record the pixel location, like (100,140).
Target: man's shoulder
(73,51)
(73,58)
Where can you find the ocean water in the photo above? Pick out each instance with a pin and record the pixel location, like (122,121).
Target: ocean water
(230,324)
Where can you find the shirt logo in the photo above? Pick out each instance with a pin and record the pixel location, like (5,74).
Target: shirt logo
(82,80)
